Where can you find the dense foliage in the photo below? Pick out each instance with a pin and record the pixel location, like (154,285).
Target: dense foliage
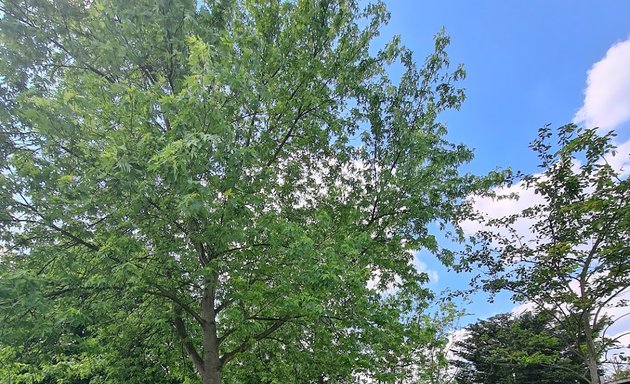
(574,260)
(217,191)
(529,348)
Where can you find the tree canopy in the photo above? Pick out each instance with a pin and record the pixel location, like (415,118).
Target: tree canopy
(222,191)
(528,348)
(575,260)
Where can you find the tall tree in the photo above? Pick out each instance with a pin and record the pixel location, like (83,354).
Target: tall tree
(575,260)
(223,176)
(529,348)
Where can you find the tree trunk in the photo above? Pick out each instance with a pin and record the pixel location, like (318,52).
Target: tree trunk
(591,353)
(593,370)
(211,359)
(211,377)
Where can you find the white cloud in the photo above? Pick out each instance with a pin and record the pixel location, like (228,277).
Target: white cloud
(522,308)
(607,93)
(375,281)
(423,268)
(621,161)
(493,208)
(621,314)
(607,99)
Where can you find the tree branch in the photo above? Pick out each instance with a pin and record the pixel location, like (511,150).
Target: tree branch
(279,322)
(180,329)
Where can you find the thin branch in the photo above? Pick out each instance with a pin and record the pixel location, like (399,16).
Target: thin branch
(176,301)
(279,322)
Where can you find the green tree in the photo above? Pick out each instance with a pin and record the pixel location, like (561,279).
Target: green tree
(203,190)
(529,348)
(575,261)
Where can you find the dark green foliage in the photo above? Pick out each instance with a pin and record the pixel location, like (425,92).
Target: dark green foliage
(530,348)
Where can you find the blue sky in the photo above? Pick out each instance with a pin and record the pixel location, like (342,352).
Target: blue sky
(528,65)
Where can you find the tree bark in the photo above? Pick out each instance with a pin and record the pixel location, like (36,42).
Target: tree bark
(211,359)
(591,353)
(189,347)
